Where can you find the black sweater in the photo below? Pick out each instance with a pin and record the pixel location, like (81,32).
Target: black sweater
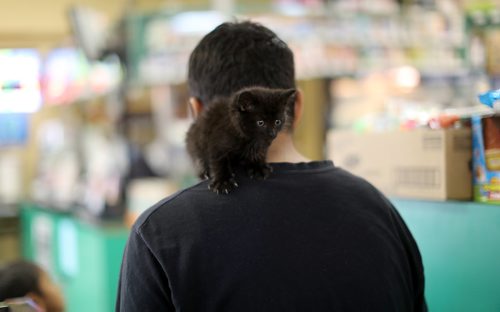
(312,237)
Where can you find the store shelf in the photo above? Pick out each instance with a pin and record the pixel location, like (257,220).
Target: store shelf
(460,247)
(326,43)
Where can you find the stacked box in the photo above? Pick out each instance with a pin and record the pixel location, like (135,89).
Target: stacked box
(423,163)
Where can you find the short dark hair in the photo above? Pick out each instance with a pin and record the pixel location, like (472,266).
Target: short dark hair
(18,279)
(238,55)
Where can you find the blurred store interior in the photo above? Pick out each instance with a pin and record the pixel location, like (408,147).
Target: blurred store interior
(93,114)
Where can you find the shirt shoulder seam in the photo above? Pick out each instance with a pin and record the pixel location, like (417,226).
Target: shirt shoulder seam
(160,204)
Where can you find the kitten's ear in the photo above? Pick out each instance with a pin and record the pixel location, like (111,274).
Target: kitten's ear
(289,96)
(245,101)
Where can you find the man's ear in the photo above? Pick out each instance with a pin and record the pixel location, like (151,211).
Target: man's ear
(196,106)
(38,300)
(298,108)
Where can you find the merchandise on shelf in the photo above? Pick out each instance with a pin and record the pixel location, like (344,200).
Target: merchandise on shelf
(486,158)
(68,77)
(490,99)
(325,43)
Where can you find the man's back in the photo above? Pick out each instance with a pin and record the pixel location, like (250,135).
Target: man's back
(311,237)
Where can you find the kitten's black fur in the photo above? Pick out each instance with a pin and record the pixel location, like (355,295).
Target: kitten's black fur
(238,131)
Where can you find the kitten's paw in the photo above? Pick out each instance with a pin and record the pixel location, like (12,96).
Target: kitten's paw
(204,174)
(223,186)
(260,172)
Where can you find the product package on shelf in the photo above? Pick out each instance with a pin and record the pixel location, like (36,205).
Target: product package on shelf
(422,163)
(486,158)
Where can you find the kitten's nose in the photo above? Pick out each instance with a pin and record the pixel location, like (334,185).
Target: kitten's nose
(272,133)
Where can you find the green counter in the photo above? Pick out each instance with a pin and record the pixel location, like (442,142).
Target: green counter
(460,247)
(83,257)
(459,242)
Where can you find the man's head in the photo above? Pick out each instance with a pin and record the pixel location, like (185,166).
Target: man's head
(25,279)
(238,55)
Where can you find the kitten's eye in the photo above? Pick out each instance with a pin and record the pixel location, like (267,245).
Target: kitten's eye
(277,122)
(260,123)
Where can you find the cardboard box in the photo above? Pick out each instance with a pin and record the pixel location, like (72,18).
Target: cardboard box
(424,163)
(486,159)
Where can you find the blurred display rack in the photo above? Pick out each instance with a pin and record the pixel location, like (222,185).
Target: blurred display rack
(483,36)
(326,43)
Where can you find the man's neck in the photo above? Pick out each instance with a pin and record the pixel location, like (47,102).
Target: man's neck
(283,150)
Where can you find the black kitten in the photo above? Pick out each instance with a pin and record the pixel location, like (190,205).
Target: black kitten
(238,131)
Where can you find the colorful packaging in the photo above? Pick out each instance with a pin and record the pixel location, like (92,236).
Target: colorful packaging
(486,158)
(491,98)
